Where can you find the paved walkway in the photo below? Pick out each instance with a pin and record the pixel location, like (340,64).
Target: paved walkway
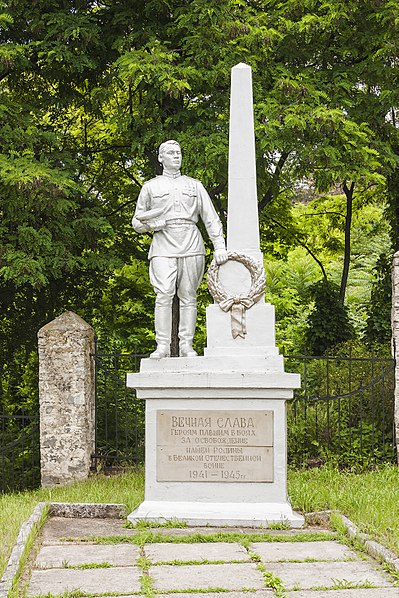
(100,556)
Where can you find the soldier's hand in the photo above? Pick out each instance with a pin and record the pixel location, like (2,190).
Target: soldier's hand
(157,224)
(221,256)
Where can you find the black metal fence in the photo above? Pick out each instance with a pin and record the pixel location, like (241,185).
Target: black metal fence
(343,413)
(120,416)
(20,451)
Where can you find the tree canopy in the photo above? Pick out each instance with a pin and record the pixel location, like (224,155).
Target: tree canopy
(90,89)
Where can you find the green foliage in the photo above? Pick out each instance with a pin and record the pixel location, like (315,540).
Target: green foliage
(120,416)
(287,287)
(328,323)
(318,222)
(378,328)
(89,90)
(127,306)
(343,414)
(20,456)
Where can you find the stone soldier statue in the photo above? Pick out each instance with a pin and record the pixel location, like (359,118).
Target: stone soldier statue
(170,206)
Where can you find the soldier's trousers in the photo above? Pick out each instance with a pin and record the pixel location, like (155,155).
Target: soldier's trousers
(181,275)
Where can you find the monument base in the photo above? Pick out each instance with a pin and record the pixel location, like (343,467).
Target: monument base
(256,515)
(216,441)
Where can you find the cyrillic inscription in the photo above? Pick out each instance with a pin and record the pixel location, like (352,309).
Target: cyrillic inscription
(214,446)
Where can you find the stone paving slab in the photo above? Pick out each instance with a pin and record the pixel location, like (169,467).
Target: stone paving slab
(57,528)
(93,581)
(256,594)
(310,575)
(354,593)
(200,577)
(124,578)
(300,551)
(118,555)
(220,551)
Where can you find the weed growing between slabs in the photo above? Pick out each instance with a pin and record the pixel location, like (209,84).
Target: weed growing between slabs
(170,523)
(201,591)
(245,540)
(146,585)
(392,572)
(79,594)
(271,580)
(195,562)
(88,566)
(349,585)
(340,584)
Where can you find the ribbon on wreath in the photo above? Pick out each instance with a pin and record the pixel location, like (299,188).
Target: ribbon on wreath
(238,305)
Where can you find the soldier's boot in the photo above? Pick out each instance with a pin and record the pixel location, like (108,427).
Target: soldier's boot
(188,319)
(163,331)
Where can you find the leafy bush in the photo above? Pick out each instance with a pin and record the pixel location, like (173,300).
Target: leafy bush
(378,329)
(343,414)
(328,323)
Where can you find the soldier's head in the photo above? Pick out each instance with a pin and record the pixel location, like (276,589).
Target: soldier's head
(169,155)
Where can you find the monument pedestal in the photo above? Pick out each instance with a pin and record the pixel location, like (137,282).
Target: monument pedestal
(216,425)
(216,439)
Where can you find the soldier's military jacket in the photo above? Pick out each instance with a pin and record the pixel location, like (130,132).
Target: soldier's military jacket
(183,201)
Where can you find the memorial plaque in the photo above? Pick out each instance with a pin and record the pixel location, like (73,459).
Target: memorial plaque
(214,446)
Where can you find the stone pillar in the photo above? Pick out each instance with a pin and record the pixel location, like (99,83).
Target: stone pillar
(67,399)
(395,339)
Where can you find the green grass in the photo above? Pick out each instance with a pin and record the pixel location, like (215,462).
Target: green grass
(272,581)
(203,591)
(370,500)
(143,524)
(104,565)
(343,584)
(180,563)
(146,585)
(16,508)
(142,538)
(29,543)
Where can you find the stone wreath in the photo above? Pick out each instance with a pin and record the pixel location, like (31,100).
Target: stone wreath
(238,304)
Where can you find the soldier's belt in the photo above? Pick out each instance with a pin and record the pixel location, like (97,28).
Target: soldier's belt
(178,221)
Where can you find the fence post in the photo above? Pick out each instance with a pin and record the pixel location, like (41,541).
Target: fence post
(395,342)
(67,399)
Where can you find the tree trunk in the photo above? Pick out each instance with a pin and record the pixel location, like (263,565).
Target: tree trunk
(393,199)
(174,345)
(347,251)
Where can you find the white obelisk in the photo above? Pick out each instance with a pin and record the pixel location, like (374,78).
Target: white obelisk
(242,213)
(242,232)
